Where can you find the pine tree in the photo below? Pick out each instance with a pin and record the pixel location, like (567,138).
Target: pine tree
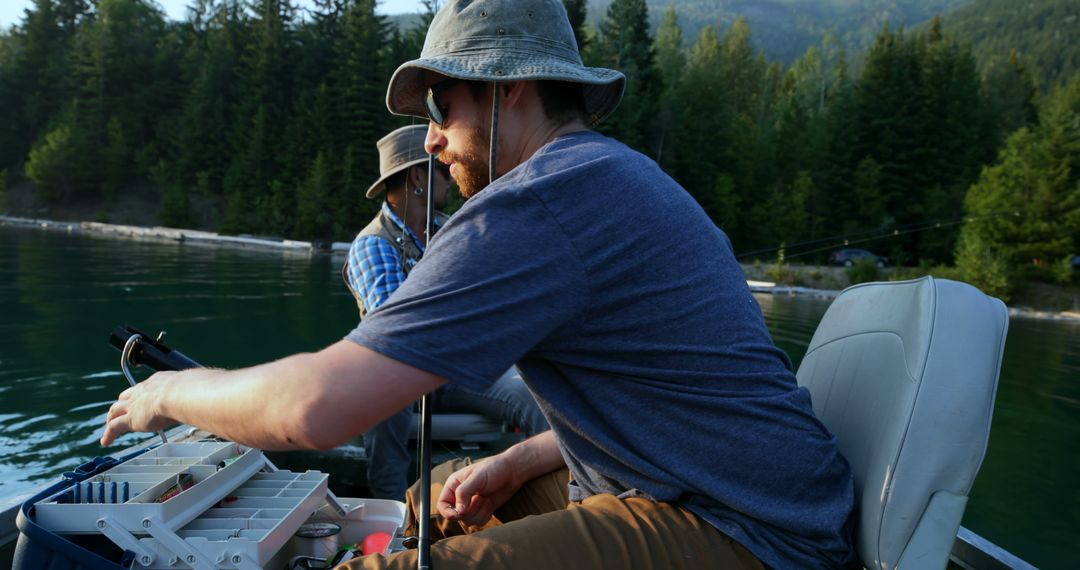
(889,117)
(175,201)
(39,67)
(576,11)
(1026,208)
(1011,93)
(834,173)
(49,163)
(314,217)
(258,135)
(671,63)
(12,146)
(212,99)
(360,117)
(871,204)
(624,44)
(951,137)
(703,125)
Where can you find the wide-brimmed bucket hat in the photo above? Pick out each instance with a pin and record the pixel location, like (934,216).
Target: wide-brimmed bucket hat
(399,150)
(503,40)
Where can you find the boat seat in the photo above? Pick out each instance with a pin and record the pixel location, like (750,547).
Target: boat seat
(905,374)
(468,428)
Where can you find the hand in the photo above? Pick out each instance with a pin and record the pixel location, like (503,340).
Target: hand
(472,494)
(138,409)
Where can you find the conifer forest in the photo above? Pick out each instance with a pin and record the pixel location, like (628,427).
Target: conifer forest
(950,143)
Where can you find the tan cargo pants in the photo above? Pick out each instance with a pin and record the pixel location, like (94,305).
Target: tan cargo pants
(539,529)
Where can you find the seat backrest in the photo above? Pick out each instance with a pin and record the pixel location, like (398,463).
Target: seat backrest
(905,374)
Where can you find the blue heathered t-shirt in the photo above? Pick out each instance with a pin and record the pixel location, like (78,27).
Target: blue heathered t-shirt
(632,323)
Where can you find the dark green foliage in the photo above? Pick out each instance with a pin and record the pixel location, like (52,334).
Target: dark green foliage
(784,29)
(864,271)
(624,43)
(576,10)
(251,118)
(1010,94)
(175,201)
(3,188)
(241,104)
(1041,33)
(1026,207)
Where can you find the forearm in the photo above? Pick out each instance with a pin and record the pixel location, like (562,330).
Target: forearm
(533,457)
(267,406)
(316,400)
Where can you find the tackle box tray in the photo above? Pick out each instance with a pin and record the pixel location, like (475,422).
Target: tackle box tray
(237,511)
(133,494)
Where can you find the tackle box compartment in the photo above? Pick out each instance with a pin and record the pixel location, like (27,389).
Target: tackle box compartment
(239,512)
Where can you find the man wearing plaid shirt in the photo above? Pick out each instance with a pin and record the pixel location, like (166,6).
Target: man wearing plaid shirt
(379,259)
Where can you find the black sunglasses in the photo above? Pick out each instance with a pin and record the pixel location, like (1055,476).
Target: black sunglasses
(435,112)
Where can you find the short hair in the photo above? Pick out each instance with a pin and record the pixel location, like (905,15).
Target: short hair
(562,101)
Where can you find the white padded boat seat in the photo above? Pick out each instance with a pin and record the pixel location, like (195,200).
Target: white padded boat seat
(905,374)
(471,428)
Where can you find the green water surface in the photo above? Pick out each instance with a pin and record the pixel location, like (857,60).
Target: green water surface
(61,295)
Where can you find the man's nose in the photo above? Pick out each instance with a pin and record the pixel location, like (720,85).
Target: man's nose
(435,141)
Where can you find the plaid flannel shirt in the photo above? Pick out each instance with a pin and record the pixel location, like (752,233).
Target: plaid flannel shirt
(376,266)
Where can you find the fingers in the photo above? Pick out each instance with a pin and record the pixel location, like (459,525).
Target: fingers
(446,502)
(476,510)
(114,428)
(479,511)
(473,484)
(455,495)
(117,421)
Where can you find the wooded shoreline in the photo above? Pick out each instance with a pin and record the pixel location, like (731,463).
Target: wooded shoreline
(756,277)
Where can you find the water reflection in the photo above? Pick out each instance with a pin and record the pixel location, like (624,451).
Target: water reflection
(62,295)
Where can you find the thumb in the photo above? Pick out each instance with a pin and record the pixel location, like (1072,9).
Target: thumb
(472,485)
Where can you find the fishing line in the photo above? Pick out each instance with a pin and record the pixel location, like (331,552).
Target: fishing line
(875,234)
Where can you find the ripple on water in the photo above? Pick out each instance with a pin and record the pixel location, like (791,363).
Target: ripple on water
(104,374)
(31,421)
(91,406)
(51,378)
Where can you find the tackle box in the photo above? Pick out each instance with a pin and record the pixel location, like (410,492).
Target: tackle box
(202,505)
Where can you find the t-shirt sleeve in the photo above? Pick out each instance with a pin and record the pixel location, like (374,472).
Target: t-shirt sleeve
(498,279)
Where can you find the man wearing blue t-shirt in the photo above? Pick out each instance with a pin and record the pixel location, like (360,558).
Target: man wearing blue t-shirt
(686,441)
(379,259)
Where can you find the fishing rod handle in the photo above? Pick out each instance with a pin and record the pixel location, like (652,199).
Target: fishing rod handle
(151,353)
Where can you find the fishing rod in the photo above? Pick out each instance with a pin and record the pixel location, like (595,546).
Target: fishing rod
(149,350)
(423,559)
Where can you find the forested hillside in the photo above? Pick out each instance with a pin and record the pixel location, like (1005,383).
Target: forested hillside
(1044,34)
(246,119)
(784,29)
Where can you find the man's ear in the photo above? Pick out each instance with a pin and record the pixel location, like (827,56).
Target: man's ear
(417,177)
(511,92)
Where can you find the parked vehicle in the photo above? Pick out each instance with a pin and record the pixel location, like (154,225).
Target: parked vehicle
(848,257)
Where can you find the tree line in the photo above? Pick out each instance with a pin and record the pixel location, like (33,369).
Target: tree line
(256,117)
(1040,31)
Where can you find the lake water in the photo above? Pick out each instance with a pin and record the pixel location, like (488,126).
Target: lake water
(61,295)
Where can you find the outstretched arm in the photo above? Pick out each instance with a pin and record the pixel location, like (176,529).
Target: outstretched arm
(312,400)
